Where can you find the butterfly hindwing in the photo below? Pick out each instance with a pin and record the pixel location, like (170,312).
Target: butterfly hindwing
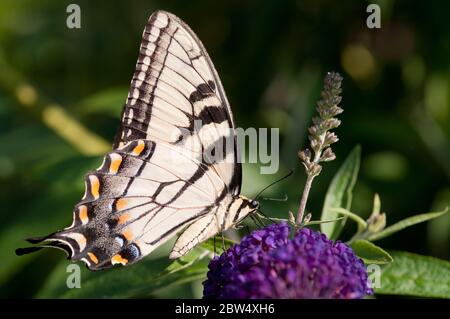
(135,201)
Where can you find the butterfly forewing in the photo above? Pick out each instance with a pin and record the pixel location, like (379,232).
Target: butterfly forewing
(177,97)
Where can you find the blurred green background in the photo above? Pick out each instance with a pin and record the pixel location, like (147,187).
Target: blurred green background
(62,91)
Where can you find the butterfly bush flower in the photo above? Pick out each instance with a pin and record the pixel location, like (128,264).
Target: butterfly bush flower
(269,264)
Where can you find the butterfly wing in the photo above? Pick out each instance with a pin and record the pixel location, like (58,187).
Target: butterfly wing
(140,196)
(165,172)
(176,96)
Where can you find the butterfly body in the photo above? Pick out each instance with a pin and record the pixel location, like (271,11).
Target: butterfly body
(174,166)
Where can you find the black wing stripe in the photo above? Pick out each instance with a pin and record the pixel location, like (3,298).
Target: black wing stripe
(213,114)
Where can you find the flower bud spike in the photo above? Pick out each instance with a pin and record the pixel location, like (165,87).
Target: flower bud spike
(320,137)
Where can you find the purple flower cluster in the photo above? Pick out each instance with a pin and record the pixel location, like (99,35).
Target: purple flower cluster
(269,264)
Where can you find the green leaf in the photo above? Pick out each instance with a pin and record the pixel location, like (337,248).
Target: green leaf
(415,275)
(185,261)
(339,193)
(209,244)
(407,222)
(144,279)
(370,253)
(361,222)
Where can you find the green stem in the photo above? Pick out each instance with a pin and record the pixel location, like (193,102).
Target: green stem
(309,180)
(304,199)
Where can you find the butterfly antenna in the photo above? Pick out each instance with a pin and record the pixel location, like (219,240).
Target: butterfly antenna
(273,183)
(284,199)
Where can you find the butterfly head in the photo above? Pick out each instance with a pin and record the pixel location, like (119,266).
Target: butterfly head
(253,204)
(246,206)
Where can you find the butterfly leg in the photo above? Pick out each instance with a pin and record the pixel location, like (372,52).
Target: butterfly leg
(223,242)
(196,233)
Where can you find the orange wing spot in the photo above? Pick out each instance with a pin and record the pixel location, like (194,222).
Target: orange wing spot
(128,235)
(116,160)
(83,214)
(139,148)
(93,258)
(123,218)
(121,203)
(95,186)
(117,259)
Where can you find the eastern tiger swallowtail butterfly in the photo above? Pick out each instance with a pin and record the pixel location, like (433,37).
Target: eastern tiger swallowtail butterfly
(160,178)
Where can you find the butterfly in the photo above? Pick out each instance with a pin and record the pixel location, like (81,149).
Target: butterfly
(164,176)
